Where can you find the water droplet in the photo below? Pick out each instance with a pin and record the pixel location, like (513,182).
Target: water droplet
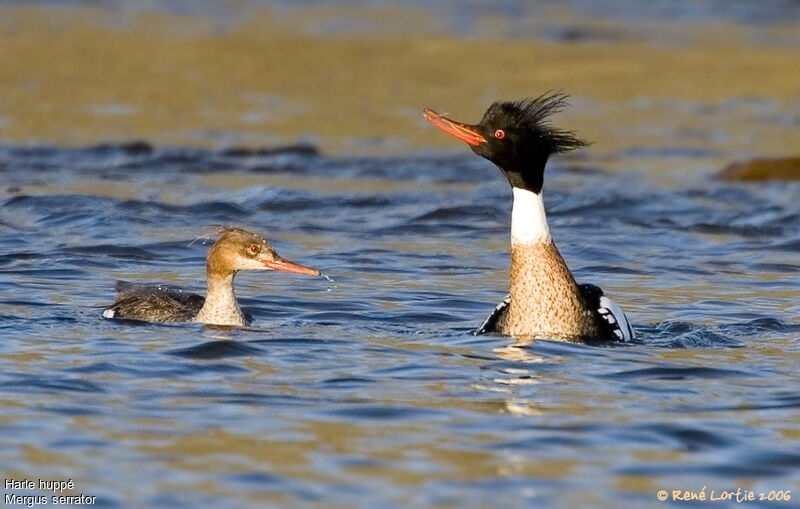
(330,280)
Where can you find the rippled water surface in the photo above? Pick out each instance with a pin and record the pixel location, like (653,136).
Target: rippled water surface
(371,390)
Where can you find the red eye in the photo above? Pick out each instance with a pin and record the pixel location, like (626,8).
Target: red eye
(254,248)
(499,134)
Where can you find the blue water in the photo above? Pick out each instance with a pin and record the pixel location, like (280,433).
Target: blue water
(371,390)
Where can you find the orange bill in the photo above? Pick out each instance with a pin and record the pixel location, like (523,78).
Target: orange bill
(464,132)
(287,266)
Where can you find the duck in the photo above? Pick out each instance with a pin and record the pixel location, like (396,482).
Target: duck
(544,300)
(236,249)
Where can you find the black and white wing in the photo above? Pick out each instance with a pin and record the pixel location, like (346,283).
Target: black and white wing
(610,315)
(490,324)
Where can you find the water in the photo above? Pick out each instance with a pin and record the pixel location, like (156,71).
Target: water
(366,388)
(371,390)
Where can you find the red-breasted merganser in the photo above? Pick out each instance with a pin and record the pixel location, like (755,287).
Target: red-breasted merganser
(545,301)
(235,250)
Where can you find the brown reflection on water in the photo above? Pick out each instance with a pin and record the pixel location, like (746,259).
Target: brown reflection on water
(223,452)
(78,76)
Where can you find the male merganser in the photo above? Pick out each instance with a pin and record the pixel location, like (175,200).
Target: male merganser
(235,250)
(545,301)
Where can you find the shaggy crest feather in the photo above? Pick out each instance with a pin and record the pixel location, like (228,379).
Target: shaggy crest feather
(534,115)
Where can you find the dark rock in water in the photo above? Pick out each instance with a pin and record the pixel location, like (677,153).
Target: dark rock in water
(579,34)
(300,149)
(133,148)
(782,168)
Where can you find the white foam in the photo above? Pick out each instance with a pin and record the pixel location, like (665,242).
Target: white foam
(108,313)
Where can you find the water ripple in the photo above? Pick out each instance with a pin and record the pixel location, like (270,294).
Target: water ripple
(217,350)
(373,385)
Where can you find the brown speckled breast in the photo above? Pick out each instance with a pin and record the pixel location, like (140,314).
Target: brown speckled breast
(545,300)
(221,315)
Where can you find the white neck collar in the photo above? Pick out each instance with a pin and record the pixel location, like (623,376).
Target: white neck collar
(528,220)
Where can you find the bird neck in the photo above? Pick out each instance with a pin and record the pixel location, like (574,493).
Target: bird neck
(544,294)
(528,219)
(220,306)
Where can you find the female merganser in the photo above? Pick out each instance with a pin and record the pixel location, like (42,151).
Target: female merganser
(235,250)
(545,301)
